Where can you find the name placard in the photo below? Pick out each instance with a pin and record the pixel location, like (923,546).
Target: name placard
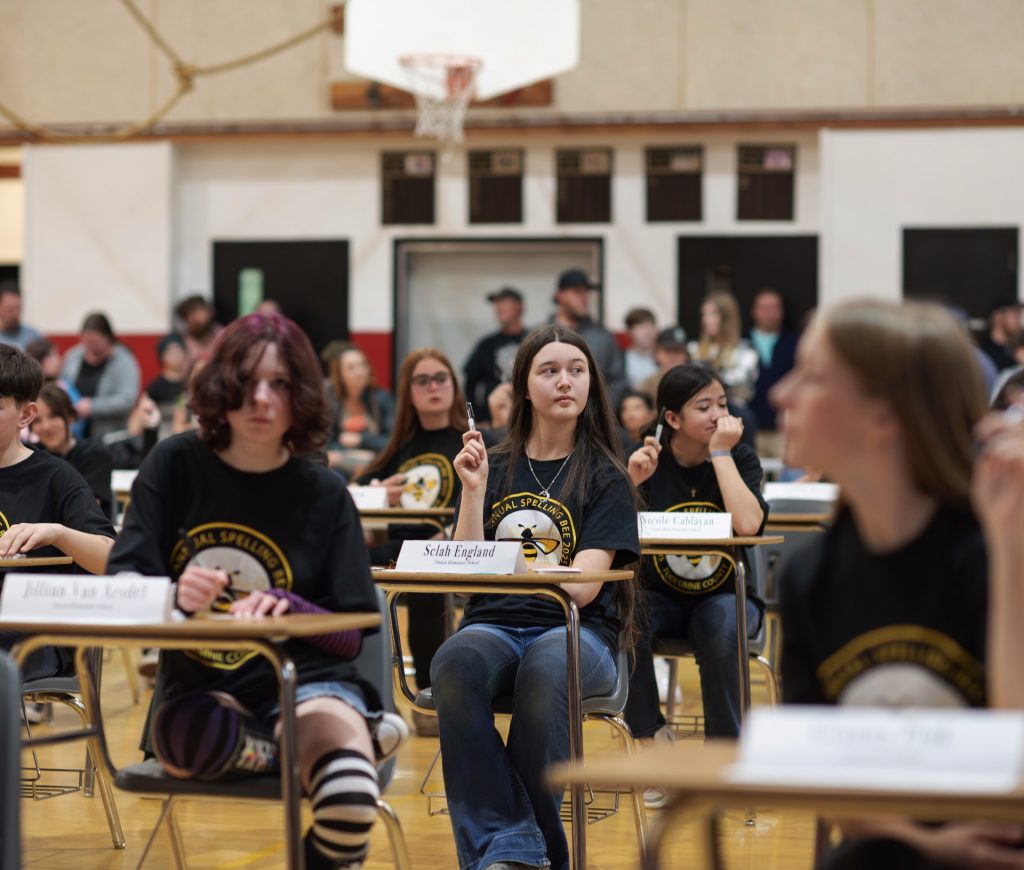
(85,598)
(904,750)
(826,493)
(369,498)
(462,557)
(684,525)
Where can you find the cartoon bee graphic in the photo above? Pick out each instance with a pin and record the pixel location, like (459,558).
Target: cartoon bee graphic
(533,546)
(422,486)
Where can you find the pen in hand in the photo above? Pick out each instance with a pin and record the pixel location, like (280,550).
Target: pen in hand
(472,419)
(230,591)
(661,425)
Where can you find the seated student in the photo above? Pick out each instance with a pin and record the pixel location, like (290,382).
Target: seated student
(362,414)
(700,465)
(636,412)
(888,607)
(246,524)
(46,509)
(53,426)
(416,467)
(557,486)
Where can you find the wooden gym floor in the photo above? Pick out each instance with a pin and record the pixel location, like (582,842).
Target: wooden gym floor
(70,831)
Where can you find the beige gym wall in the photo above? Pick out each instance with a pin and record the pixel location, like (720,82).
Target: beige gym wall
(65,61)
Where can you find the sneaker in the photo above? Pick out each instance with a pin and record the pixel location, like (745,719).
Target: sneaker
(35,713)
(426,725)
(655,798)
(388,733)
(663,735)
(148,663)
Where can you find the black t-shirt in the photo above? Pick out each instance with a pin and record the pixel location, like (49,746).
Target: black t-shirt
(46,489)
(674,487)
(88,379)
(94,461)
(293,528)
(488,365)
(905,628)
(431,481)
(163,391)
(552,531)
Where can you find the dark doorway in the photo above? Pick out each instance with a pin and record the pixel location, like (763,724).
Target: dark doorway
(970,268)
(9,273)
(743,265)
(309,280)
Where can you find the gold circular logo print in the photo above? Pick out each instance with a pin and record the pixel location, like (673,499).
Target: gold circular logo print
(693,575)
(429,481)
(543,526)
(251,560)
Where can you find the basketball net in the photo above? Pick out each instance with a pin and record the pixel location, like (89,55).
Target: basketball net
(443,86)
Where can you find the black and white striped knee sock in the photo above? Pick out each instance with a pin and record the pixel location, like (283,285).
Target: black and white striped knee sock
(343,791)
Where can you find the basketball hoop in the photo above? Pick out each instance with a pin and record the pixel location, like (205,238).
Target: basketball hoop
(443,85)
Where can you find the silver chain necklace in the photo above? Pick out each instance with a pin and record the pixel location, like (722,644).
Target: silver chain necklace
(545,491)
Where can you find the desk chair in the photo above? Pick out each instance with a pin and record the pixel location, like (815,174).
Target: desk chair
(65,689)
(148,777)
(605,708)
(10,758)
(673,648)
(796,535)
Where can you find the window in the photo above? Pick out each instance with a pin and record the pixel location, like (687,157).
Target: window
(407,187)
(766,182)
(584,186)
(674,183)
(496,187)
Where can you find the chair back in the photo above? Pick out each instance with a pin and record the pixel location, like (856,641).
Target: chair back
(614,702)
(10,753)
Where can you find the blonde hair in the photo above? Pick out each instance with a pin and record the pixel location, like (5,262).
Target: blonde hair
(728,330)
(916,357)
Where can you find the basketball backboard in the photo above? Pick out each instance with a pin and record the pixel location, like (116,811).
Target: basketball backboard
(515,42)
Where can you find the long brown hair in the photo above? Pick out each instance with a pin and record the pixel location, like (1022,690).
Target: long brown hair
(595,440)
(369,394)
(728,330)
(407,421)
(916,357)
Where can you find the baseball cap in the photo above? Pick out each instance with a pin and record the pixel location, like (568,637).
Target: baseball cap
(505,293)
(672,338)
(575,278)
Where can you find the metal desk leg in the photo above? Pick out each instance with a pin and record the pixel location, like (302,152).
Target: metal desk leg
(575,689)
(291,786)
(741,632)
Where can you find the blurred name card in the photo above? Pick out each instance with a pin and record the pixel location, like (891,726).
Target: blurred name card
(462,557)
(369,498)
(961,751)
(826,493)
(58,598)
(684,526)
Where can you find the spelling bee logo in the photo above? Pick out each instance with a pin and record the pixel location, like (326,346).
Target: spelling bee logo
(543,526)
(693,575)
(429,481)
(249,558)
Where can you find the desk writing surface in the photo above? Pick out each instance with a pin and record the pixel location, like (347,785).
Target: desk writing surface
(798,519)
(531,578)
(697,772)
(407,514)
(34,562)
(207,629)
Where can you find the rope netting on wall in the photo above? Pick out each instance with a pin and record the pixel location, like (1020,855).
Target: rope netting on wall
(185,74)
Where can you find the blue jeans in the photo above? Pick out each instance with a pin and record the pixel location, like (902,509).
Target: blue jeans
(501,807)
(709,623)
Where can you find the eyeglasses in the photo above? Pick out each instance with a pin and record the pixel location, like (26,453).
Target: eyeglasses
(441,379)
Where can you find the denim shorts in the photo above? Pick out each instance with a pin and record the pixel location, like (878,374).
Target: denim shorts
(350,693)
